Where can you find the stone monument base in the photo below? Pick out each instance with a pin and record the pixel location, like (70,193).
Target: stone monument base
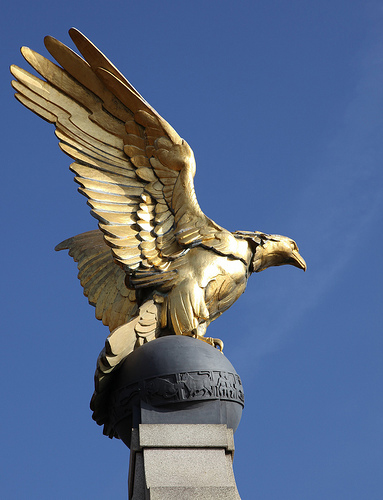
(182,461)
(175,402)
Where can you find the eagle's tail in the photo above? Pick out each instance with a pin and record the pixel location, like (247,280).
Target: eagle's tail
(121,342)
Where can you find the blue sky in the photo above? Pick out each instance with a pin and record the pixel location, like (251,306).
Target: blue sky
(282,105)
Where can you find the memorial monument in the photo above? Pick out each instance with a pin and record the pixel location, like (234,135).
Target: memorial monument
(158,271)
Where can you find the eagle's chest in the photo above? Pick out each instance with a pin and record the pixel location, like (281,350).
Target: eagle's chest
(223,280)
(208,266)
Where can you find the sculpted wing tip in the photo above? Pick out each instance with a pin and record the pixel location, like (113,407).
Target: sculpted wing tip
(64,245)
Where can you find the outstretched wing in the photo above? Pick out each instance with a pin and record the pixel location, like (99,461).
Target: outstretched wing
(135,170)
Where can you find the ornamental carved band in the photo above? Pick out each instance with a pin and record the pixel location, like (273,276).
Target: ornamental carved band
(180,387)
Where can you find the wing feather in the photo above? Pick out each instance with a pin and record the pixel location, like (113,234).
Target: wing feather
(82,72)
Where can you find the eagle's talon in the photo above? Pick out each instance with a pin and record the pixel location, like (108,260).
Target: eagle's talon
(217,343)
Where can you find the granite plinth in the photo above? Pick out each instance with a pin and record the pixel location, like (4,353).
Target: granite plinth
(181,461)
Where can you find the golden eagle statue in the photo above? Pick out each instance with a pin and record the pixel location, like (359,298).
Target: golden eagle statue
(157,264)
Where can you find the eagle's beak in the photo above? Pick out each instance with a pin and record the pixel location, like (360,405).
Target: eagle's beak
(298,261)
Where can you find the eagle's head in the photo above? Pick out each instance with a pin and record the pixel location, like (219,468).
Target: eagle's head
(275,250)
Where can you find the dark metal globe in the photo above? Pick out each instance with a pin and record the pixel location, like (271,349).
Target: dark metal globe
(175,380)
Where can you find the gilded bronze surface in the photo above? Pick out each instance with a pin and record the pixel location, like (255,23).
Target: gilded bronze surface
(157,263)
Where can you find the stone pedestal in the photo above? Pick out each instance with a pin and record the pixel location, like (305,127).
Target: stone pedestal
(176,402)
(182,461)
